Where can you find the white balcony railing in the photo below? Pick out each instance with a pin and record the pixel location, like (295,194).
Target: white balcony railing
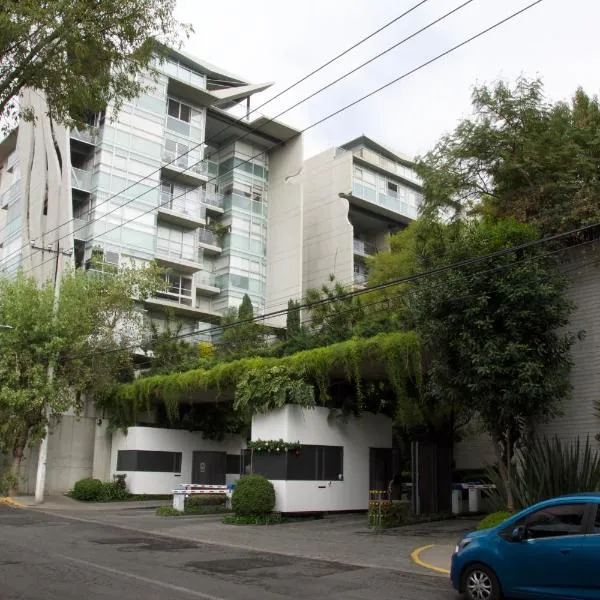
(206,278)
(190,163)
(81,179)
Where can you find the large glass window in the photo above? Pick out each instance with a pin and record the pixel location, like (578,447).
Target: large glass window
(149,461)
(180,111)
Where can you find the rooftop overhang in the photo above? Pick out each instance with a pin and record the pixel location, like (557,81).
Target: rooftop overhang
(390,216)
(386,151)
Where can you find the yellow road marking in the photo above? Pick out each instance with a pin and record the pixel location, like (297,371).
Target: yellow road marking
(416,556)
(11,502)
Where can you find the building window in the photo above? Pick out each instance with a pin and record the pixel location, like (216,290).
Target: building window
(310,463)
(554,521)
(149,461)
(179,110)
(392,188)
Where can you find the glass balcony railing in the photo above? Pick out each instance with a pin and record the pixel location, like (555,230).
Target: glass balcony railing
(387,164)
(81,179)
(364,248)
(10,195)
(191,163)
(205,278)
(175,251)
(360,278)
(213,199)
(87,134)
(207,236)
(392,202)
(187,204)
(81,228)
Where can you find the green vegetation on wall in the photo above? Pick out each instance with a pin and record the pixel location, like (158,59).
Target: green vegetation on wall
(289,379)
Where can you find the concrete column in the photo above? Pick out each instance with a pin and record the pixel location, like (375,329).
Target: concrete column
(102,448)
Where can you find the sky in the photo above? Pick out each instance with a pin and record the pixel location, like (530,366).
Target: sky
(282,41)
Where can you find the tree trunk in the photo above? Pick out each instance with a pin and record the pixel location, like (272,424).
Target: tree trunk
(509,489)
(504,471)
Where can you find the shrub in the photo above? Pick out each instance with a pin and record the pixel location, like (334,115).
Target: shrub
(549,468)
(88,490)
(254,495)
(205,500)
(493,519)
(168,511)
(388,513)
(94,490)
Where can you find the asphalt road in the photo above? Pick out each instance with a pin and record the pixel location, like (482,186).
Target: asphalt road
(46,557)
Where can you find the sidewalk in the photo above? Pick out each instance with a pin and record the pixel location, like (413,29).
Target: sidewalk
(67,505)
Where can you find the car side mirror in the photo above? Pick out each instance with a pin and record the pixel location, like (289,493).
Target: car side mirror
(518,534)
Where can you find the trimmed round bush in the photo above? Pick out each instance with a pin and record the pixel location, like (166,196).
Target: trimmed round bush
(254,495)
(88,490)
(493,519)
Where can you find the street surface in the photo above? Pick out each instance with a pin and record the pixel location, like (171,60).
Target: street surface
(48,556)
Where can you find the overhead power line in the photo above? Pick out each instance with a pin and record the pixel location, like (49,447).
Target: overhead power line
(242,120)
(371,93)
(410,278)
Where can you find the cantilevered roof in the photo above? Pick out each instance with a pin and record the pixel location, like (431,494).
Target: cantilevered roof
(386,151)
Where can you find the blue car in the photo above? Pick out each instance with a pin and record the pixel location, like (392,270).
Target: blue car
(549,550)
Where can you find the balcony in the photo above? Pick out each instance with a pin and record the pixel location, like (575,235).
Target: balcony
(205,283)
(81,180)
(214,201)
(185,210)
(187,168)
(208,241)
(388,165)
(183,306)
(364,248)
(81,228)
(368,197)
(178,258)
(10,195)
(360,279)
(86,134)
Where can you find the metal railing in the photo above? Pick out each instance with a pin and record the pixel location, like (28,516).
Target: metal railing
(81,179)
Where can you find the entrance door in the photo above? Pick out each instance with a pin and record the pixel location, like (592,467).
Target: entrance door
(209,468)
(380,468)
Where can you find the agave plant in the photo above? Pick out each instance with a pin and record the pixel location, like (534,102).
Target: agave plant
(548,468)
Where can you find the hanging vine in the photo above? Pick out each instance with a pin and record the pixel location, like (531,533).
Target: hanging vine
(257,385)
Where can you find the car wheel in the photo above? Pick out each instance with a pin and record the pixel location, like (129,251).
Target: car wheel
(480,583)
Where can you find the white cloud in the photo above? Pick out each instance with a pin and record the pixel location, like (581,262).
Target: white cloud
(281,41)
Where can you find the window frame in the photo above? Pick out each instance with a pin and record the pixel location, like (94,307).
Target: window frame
(583,528)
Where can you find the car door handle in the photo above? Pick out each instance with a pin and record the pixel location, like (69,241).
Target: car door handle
(565,551)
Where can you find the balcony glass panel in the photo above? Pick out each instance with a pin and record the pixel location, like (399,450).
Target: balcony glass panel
(81,179)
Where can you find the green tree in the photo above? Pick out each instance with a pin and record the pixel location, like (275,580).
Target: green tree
(519,156)
(241,336)
(87,339)
(493,335)
(332,314)
(169,353)
(82,54)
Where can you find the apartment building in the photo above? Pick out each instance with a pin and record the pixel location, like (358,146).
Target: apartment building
(354,197)
(186,175)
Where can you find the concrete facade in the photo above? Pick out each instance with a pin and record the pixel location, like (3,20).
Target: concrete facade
(354,197)
(314,427)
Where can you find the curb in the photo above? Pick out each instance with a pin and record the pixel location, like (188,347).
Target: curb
(10,502)
(416,557)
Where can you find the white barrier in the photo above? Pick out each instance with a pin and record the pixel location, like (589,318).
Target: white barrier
(189,489)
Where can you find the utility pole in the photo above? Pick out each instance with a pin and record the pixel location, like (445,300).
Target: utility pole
(40,479)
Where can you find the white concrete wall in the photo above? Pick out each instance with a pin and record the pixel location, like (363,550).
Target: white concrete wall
(328,233)
(284,228)
(312,426)
(167,440)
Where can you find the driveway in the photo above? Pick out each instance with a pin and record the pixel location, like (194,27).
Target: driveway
(49,555)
